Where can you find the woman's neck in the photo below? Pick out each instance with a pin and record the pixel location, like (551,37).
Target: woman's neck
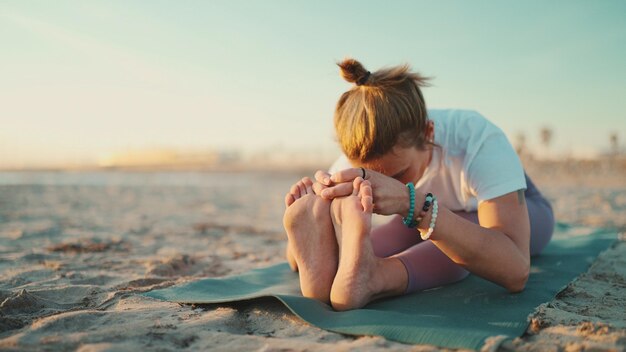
(427,160)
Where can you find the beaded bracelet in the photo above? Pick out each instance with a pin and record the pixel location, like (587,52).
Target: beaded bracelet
(433,220)
(427,202)
(408,221)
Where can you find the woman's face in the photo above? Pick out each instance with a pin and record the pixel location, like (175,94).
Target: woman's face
(401,163)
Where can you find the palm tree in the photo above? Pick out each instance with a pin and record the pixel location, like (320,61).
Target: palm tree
(546,135)
(520,143)
(614,143)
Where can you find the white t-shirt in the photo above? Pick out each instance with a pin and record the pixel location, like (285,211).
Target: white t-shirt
(475,163)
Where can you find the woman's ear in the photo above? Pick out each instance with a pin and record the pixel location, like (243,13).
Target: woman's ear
(430,131)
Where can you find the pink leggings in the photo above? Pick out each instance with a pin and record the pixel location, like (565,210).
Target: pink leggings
(428,267)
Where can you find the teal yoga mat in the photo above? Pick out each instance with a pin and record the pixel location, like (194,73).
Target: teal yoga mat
(461,315)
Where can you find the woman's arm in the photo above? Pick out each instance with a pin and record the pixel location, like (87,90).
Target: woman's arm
(497,249)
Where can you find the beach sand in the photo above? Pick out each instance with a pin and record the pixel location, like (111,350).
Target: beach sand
(77,248)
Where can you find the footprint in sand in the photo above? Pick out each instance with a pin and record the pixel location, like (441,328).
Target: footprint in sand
(176,265)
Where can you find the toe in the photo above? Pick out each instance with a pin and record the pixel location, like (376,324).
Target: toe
(367,199)
(302,188)
(368,204)
(289,199)
(295,191)
(308,184)
(356,185)
(366,188)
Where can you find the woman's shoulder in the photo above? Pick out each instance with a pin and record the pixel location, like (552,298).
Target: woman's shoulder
(458,129)
(456,116)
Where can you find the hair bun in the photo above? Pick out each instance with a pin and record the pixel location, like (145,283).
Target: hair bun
(353,71)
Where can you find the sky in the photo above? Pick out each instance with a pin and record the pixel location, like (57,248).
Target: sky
(80,79)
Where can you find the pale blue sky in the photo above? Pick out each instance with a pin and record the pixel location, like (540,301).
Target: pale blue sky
(80,78)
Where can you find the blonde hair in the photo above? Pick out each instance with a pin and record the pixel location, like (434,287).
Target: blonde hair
(383,109)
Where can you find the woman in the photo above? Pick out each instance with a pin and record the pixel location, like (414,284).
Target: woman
(458,196)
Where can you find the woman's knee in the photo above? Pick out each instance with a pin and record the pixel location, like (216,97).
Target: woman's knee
(541,224)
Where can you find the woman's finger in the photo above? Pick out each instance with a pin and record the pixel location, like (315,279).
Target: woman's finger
(322,177)
(340,190)
(318,188)
(347,175)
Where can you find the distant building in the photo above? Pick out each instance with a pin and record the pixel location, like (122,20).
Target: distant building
(161,158)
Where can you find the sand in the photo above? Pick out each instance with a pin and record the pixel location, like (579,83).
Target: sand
(77,248)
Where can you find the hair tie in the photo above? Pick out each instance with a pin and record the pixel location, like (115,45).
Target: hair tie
(363,79)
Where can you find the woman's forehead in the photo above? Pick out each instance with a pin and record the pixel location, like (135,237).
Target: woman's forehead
(390,163)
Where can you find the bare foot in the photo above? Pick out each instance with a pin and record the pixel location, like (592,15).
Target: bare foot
(361,274)
(297,191)
(312,245)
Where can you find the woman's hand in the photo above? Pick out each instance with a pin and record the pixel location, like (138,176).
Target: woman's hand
(328,189)
(390,195)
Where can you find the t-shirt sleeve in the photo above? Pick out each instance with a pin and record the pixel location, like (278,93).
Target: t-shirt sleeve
(495,168)
(341,163)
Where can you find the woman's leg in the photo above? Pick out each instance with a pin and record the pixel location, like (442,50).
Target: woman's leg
(541,218)
(427,267)
(393,237)
(312,245)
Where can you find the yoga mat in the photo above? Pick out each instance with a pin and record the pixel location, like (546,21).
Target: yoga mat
(460,315)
